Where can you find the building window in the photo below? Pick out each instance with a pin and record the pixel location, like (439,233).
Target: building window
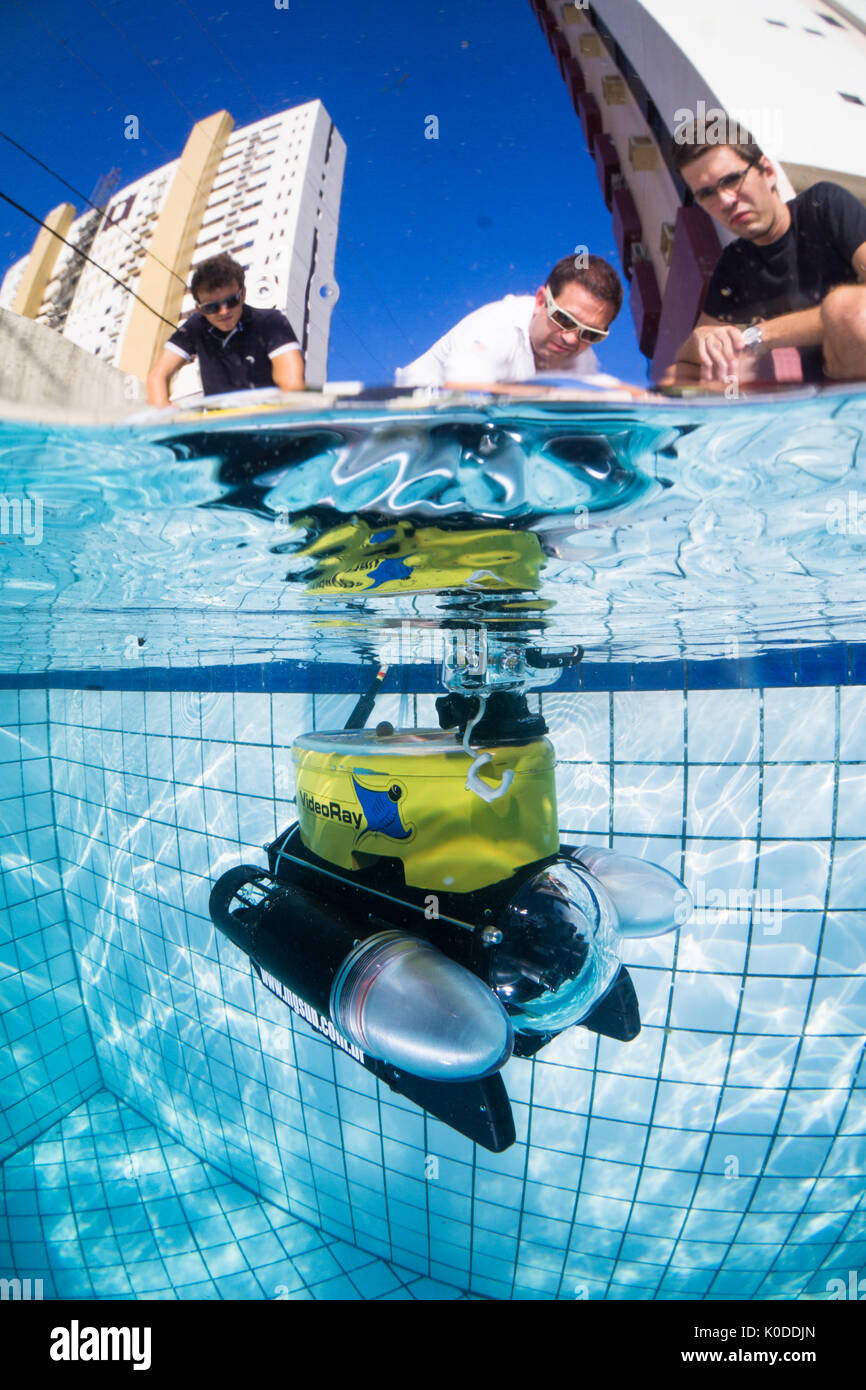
(642,152)
(817,32)
(780,23)
(614,89)
(119,211)
(828,19)
(854,100)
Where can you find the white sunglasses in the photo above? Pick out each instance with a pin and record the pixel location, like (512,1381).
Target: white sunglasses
(563,319)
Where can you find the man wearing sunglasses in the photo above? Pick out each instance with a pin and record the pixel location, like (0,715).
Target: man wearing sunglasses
(238,348)
(793,278)
(523,336)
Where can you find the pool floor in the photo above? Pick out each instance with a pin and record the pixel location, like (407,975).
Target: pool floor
(104,1205)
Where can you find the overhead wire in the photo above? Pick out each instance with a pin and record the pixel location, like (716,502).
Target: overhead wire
(87,68)
(83,196)
(127,40)
(382,299)
(172,158)
(84,256)
(369,351)
(225,59)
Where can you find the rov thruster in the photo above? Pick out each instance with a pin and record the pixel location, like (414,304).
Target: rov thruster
(423,915)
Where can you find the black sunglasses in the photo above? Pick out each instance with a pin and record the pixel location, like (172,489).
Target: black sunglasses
(213,306)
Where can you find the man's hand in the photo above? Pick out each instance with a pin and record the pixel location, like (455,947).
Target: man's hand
(721,354)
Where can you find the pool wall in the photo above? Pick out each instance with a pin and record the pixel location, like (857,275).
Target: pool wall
(48,1062)
(720,1155)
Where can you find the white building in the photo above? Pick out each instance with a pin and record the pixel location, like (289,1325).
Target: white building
(269,195)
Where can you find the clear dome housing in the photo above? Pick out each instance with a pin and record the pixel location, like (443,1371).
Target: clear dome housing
(560,950)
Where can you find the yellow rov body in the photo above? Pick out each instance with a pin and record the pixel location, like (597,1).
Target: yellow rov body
(404,557)
(404,795)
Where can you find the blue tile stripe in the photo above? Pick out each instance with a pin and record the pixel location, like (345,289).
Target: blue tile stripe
(831,664)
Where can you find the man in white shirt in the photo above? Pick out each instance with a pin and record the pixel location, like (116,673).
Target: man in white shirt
(523,336)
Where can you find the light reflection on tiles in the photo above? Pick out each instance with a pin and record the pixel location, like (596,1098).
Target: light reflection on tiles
(716,1156)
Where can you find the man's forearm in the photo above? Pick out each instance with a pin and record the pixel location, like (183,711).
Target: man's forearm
(804,328)
(287,370)
(801,329)
(157,389)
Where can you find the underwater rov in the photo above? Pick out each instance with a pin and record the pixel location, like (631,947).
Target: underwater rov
(423,915)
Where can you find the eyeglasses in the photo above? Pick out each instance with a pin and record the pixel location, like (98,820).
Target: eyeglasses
(570,324)
(213,306)
(727,184)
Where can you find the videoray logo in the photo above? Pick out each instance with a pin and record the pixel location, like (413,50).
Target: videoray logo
(329,810)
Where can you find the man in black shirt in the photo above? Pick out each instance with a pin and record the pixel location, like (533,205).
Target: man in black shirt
(793,279)
(238,348)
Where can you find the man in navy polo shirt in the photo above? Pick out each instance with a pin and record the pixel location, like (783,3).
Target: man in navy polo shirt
(238,348)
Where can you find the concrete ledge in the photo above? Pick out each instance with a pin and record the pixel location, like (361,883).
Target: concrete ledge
(41,368)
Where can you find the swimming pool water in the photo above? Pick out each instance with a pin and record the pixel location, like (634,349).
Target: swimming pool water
(681,531)
(720,1154)
(169,1129)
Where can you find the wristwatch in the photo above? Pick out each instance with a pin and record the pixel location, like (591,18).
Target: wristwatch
(753,337)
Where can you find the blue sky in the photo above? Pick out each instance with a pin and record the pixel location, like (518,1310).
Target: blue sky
(429,229)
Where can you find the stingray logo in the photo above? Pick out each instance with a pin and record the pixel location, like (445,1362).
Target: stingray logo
(389,571)
(381,808)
